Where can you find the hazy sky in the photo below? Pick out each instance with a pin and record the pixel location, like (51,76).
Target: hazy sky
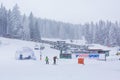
(73,11)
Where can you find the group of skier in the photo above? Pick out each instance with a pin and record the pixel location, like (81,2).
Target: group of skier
(54,60)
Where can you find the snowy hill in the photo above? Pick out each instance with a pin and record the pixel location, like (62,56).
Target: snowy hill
(12,69)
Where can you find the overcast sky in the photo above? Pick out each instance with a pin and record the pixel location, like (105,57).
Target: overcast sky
(73,11)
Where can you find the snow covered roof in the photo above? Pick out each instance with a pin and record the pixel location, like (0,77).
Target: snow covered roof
(98,47)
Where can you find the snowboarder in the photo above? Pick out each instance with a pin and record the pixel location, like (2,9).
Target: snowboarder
(47,60)
(54,59)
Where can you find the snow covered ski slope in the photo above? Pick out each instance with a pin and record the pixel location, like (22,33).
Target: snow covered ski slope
(12,69)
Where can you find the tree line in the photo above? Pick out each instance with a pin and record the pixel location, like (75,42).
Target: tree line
(13,24)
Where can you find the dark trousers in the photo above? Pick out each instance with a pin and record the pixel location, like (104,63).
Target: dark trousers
(47,62)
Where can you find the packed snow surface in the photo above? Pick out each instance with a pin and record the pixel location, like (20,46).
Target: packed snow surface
(66,69)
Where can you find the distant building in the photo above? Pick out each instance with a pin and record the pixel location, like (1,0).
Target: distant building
(90,53)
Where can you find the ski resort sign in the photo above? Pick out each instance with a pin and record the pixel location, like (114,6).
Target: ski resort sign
(82,55)
(96,56)
(92,56)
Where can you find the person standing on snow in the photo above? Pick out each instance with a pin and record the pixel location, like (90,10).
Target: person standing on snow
(40,57)
(54,59)
(47,60)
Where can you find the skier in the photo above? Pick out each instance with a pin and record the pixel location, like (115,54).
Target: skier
(54,59)
(40,57)
(21,57)
(47,60)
